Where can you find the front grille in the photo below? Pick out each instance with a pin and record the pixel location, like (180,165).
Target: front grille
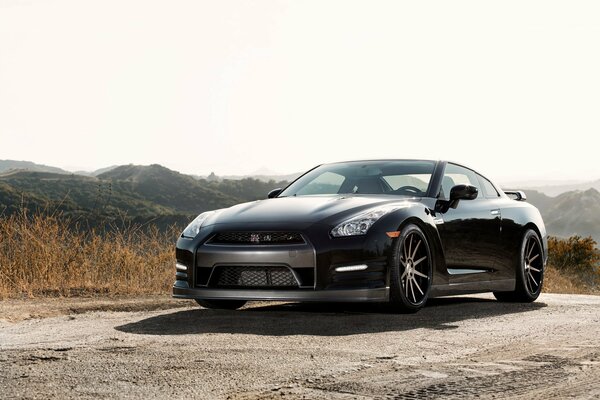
(252,277)
(253,238)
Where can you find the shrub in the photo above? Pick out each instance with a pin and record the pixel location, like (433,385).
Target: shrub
(575,256)
(574,252)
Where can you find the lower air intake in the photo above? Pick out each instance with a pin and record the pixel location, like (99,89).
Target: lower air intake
(253,277)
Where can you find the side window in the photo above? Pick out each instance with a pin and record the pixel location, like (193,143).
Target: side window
(457,175)
(489,191)
(328,182)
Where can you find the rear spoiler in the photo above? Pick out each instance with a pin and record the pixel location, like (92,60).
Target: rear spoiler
(517,195)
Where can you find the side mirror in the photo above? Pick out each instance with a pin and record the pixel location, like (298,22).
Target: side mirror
(457,193)
(274,193)
(463,192)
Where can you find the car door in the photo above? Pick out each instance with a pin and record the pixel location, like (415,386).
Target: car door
(470,233)
(502,254)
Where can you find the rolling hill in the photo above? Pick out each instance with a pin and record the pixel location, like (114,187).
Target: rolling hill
(8,165)
(74,194)
(167,188)
(154,193)
(571,213)
(556,190)
(128,193)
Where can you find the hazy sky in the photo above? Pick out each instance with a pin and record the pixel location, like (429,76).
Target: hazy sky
(511,88)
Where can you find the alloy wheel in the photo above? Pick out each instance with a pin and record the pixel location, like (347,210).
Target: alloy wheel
(415,262)
(533,265)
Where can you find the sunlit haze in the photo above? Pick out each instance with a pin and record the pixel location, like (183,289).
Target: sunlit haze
(510,88)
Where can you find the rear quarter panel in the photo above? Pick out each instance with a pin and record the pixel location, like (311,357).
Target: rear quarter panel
(517,217)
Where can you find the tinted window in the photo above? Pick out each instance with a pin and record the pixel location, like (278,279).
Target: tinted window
(408,178)
(489,190)
(457,175)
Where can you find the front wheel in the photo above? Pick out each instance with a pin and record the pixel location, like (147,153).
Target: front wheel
(529,271)
(221,304)
(410,278)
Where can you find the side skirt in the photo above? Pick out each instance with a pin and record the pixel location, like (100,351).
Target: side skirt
(503,285)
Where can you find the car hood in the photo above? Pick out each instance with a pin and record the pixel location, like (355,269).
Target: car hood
(303,209)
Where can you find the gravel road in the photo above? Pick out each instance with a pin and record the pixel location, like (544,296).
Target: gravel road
(461,347)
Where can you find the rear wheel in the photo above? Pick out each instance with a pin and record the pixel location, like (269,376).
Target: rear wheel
(410,278)
(221,304)
(529,271)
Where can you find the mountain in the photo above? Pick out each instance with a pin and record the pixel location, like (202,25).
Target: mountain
(73,195)
(167,188)
(103,170)
(553,187)
(96,172)
(8,165)
(132,193)
(555,190)
(245,188)
(542,201)
(571,213)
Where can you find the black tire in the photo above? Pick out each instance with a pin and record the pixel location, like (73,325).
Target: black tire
(221,304)
(529,271)
(411,271)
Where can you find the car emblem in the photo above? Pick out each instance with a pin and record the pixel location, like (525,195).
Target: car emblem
(267,238)
(255,238)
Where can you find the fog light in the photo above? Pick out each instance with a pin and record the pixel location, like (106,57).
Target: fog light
(181,267)
(349,268)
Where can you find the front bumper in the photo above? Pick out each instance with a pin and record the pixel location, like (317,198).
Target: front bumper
(313,265)
(181,290)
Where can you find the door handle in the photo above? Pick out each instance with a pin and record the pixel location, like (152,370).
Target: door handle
(495,212)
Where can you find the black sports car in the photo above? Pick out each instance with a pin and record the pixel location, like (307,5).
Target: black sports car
(395,231)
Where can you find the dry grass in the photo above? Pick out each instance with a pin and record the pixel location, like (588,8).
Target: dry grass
(45,256)
(556,281)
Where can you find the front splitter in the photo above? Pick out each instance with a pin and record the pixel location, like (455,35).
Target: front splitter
(182,291)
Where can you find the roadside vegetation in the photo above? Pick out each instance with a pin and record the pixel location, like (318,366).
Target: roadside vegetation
(573,266)
(45,255)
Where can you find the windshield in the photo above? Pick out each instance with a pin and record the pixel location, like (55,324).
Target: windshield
(408,178)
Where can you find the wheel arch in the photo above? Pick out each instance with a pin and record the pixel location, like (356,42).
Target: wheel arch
(435,244)
(532,226)
(543,238)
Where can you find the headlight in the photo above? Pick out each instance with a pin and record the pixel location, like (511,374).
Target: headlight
(194,227)
(360,224)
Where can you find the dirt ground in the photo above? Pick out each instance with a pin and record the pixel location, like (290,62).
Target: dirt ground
(156,347)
